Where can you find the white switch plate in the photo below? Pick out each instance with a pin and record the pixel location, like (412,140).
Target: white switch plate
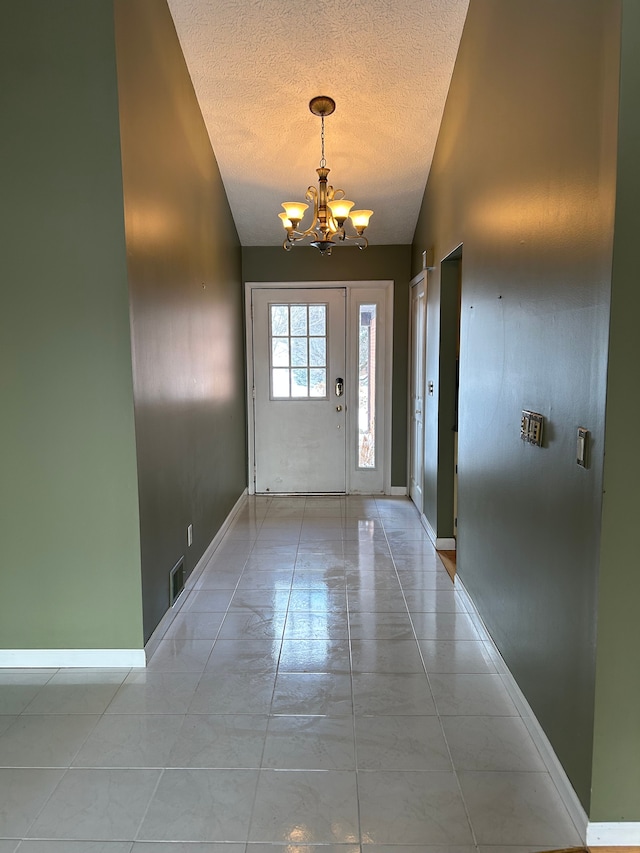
(190,535)
(582,446)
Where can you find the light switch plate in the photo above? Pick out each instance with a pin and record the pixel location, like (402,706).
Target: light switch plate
(582,448)
(531,424)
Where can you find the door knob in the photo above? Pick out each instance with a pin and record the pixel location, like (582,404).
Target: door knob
(338,408)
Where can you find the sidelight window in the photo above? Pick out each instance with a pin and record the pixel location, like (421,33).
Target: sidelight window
(367,386)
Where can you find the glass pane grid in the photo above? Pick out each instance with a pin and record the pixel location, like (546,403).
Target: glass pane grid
(298,351)
(367,386)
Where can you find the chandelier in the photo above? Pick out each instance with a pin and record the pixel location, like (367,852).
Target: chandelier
(331,209)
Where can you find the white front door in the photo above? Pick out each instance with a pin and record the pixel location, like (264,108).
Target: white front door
(300,390)
(416,466)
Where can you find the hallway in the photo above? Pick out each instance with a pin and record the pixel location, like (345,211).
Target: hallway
(323,683)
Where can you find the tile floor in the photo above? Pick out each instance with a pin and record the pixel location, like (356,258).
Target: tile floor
(322,688)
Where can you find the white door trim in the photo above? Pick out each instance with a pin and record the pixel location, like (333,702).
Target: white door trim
(420,279)
(350,286)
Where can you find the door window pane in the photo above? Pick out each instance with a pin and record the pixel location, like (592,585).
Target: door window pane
(318,320)
(298,319)
(280,352)
(279,320)
(299,352)
(280,382)
(367,386)
(298,341)
(318,352)
(300,382)
(318,382)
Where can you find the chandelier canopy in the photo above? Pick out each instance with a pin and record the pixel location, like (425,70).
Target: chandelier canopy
(331,210)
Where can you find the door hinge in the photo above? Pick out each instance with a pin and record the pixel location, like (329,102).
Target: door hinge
(253,393)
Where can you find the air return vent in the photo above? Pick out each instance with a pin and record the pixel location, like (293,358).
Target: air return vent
(176,581)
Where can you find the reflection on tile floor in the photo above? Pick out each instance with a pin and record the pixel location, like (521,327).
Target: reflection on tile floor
(322,688)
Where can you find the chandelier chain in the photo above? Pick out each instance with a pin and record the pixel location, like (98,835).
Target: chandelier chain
(323,162)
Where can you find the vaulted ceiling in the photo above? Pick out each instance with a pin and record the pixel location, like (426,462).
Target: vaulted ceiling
(256,64)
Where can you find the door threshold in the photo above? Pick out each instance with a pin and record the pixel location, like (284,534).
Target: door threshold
(300,494)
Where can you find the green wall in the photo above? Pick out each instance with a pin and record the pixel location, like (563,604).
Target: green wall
(68,494)
(616,766)
(377,263)
(184,268)
(524,177)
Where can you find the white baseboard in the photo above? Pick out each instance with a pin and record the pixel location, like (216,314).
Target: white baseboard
(398,490)
(170,615)
(546,750)
(551,760)
(618,834)
(72,658)
(439,544)
(429,529)
(208,554)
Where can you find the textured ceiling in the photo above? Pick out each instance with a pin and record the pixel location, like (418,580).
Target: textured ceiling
(255,65)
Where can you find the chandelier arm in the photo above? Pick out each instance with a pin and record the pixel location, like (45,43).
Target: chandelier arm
(359,239)
(312,196)
(310,233)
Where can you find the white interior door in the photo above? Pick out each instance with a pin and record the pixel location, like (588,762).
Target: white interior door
(299,371)
(418,319)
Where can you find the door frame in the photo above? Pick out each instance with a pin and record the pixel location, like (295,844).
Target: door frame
(449,395)
(420,279)
(352,288)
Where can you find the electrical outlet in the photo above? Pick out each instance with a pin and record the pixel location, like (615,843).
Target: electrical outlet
(535,429)
(531,427)
(190,535)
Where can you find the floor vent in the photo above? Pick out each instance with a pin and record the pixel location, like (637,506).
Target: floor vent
(176,581)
